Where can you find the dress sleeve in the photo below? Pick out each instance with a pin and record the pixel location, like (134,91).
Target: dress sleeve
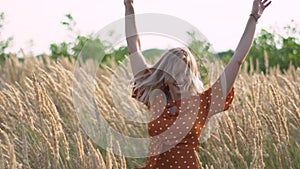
(215,99)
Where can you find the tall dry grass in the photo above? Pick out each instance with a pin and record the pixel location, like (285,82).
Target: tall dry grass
(40,129)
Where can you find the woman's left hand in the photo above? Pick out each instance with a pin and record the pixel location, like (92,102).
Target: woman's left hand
(259,6)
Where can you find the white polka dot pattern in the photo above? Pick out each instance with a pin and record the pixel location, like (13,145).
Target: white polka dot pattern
(175,127)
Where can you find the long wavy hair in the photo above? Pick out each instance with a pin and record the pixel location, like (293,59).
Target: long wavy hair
(167,67)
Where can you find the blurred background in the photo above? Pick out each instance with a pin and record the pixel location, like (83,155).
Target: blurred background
(40,42)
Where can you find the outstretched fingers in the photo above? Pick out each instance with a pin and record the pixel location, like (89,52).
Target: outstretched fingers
(265,3)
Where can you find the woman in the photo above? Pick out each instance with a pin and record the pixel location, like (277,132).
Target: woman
(172,92)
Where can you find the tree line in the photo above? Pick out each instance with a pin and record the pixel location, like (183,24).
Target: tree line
(268,49)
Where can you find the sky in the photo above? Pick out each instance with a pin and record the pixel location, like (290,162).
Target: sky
(35,24)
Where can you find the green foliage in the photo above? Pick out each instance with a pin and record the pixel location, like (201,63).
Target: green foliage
(64,49)
(264,45)
(201,49)
(4,44)
(226,55)
(118,55)
(87,47)
(271,49)
(60,50)
(268,50)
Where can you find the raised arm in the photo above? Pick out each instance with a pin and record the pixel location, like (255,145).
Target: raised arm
(221,93)
(230,73)
(137,60)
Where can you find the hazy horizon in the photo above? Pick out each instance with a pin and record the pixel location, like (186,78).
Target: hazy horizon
(36,24)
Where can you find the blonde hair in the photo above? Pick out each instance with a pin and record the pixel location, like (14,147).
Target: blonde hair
(166,68)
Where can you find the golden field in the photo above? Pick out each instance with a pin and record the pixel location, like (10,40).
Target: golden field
(39,127)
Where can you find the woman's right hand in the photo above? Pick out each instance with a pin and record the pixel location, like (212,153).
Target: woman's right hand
(128,2)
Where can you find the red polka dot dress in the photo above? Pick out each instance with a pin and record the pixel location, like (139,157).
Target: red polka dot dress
(175,127)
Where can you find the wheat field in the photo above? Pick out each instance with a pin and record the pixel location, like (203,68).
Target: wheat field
(40,129)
